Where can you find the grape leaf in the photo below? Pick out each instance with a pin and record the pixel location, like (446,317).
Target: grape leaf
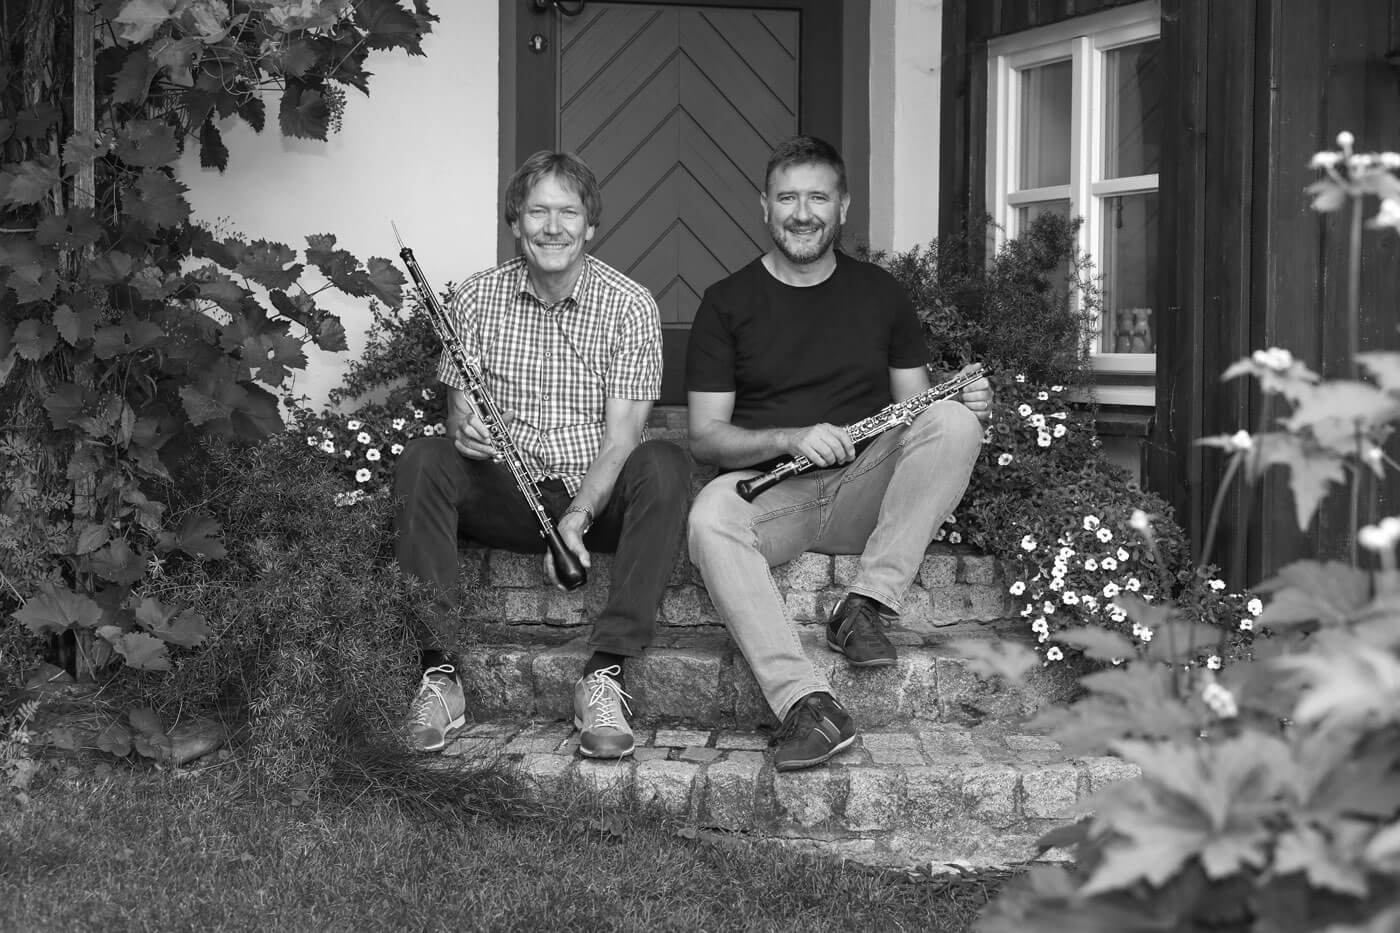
(34,339)
(147,144)
(153,284)
(33,283)
(75,325)
(330,334)
(178,55)
(385,281)
(257,415)
(116,561)
(30,181)
(73,229)
(303,114)
(58,609)
(263,262)
(1098,643)
(92,537)
(133,81)
(198,535)
(64,403)
(144,652)
(115,740)
(139,19)
(36,122)
(82,147)
(388,26)
(207,402)
(111,268)
(254,113)
(1309,591)
(296,58)
(188,630)
(157,200)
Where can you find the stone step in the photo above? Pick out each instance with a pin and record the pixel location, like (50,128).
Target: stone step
(957,590)
(706,683)
(926,794)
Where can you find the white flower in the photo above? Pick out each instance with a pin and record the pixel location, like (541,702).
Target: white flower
(1048,608)
(1037,420)
(1054,654)
(1246,625)
(1275,358)
(1028,610)
(1066,552)
(1109,564)
(1091,565)
(1043,396)
(352,425)
(1213,662)
(1070,598)
(1060,430)
(939,535)
(1122,554)
(1057,388)
(372,454)
(1217,585)
(1255,606)
(1042,636)
(1004,459)
(1104,535)
(1091,522)
(1324,159)
(438,429)
(399,423)
(1140,522)
(1380,537)
(1059,414)
(1059,569)
(1020,377)
(346,453)
(1345,139)
(1241,440)
(1043,439)
(395,449)
(363,437)
(418,414)
(1388,215)
(328,447)
(1111,590)
(1145,634)
(1133,584)
(311,441)
(1017,588)
(1117,612)
(427,394)
(1028,543)
(1089,602)
(1024,411)
(1058,583)
(362,475)
(1040,626)
(1220,700)
(954,537)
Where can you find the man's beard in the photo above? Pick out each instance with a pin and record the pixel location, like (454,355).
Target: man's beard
(806,254)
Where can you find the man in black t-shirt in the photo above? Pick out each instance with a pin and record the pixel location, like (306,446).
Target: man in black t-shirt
(782,354)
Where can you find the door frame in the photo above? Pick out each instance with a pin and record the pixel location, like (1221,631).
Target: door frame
(835,53)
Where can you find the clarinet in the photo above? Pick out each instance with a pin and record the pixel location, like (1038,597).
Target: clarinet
(567,566)
(891,416)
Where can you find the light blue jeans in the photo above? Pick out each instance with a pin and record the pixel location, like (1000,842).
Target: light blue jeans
(885,505)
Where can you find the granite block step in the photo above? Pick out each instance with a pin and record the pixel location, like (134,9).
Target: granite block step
(706,683)
(924,794)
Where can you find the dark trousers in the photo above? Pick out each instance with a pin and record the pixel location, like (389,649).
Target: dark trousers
(442,494)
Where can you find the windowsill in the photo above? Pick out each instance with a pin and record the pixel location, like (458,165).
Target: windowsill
(1131,364)
(1117,394)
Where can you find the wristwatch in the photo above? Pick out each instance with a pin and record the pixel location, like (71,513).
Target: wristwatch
(587,513)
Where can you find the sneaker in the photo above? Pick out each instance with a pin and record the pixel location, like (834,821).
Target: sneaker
(599,714)
(856,631)
(814,730)
(439,710)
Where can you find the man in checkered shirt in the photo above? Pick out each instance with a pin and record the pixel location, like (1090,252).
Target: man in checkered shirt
(570,350)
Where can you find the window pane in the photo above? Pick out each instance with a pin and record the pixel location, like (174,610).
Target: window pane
(1045,125)
(1028,213)
(1129,273)
(1133,109)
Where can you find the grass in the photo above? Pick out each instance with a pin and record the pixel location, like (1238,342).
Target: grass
(127,849)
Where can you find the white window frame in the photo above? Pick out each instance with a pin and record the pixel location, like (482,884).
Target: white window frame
(1085,42)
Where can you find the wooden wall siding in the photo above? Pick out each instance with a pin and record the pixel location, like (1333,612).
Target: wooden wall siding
(676,111)
(1254,88)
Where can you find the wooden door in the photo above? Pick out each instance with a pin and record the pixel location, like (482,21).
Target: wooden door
(676,108)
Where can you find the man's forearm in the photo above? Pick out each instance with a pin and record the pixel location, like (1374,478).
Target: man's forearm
(730,448)
(597,486)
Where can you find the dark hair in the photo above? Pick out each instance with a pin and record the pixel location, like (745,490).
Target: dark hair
(565,166)
(806,150)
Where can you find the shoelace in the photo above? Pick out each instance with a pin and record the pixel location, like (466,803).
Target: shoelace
(599,685)
(804,709)
(865,622)
(430,690)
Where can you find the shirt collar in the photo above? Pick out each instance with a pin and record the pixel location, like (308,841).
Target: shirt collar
(523,285)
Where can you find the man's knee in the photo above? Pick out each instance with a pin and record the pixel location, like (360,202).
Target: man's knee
(664,465)
(716,512)
(953,422)
(425,455)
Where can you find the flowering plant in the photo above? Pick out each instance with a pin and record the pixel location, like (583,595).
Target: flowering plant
(365,444)
(1267,798)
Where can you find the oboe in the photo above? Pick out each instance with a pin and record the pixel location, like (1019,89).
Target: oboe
(567,566)
(891,416)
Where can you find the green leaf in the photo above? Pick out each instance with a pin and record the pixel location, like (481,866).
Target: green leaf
(147,144)
(1337,409)
(1308,591)
(330,334)
(75,325)
(115,740)
(219,288)
(30,182)
(388,25)
(1181,640)
(177,55)
(34,339)
(82,148)
(1312,470)
(303,114)
(212,151)
(257,415)
(116,561)
(139,19)
(110,268)
(199,536)
(73,229)
(1385,367)
(134,79)
(1327,195)
(143,652)
(264,263)
(1344,681)
(385,281)
(253,112)
(1306,849)
(58,609)
(64,403)
(153,284)
(157,200)
(296,58)
(188,630)
(1098,643)
(145,721)
(1006,659)
(36,122)
(92,537)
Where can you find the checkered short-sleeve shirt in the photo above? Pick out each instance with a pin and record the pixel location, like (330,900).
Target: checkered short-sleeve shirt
(555,365)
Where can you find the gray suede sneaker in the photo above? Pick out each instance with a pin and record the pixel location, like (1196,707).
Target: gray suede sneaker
(856,630)
(438,711)
(600,708)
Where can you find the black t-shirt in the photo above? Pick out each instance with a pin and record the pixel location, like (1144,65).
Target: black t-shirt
(796,356)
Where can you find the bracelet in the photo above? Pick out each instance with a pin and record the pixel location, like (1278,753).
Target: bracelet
(588,513)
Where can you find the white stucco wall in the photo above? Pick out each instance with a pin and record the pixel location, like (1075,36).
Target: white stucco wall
(906,53)
(420,150)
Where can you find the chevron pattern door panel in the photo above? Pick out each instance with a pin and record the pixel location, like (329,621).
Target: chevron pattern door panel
(676,109)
